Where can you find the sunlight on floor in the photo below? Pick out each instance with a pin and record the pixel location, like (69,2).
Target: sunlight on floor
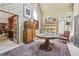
(7,45)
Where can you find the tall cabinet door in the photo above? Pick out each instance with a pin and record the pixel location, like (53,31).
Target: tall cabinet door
(61,26)
(28,37)
(76,33)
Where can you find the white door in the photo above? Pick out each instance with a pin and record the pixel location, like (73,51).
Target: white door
(76,33)
(61,26)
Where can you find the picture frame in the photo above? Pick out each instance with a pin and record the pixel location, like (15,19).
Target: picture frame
(67,23)
(49,18)
(27,11)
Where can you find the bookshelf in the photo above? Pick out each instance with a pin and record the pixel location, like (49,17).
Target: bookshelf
(50,26)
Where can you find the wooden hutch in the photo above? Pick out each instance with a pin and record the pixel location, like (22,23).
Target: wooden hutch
(50,26)
(29,31)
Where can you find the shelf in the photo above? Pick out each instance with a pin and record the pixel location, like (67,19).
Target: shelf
(50,26)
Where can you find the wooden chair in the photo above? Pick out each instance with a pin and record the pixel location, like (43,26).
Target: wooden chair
(65,36)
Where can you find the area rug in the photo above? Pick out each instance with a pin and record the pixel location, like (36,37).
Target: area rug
(32,49)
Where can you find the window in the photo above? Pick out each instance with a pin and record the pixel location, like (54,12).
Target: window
(35,14)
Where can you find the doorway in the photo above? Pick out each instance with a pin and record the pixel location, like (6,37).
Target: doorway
(13,28)
(9,25)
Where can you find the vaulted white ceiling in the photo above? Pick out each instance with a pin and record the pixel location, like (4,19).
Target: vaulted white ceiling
(53,9)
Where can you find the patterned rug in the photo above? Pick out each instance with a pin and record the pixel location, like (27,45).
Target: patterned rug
(32,49)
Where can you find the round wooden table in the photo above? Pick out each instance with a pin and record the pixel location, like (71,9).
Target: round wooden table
(47,45)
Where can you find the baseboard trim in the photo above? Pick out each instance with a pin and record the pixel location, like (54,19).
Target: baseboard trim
(28,42)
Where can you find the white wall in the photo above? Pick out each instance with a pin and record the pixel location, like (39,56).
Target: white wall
(75,13)
(17,8)
(39,14)
(76,9)
(4,19)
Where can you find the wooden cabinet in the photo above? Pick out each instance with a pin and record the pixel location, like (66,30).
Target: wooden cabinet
(29,32)
(34,34)
(28,37)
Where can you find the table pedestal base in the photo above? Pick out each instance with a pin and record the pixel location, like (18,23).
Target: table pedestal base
(47,46)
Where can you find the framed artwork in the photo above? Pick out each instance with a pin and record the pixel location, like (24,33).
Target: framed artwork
(27,11)
(67,23)
(50,18)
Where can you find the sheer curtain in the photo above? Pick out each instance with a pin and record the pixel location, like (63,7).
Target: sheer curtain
(35,14)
